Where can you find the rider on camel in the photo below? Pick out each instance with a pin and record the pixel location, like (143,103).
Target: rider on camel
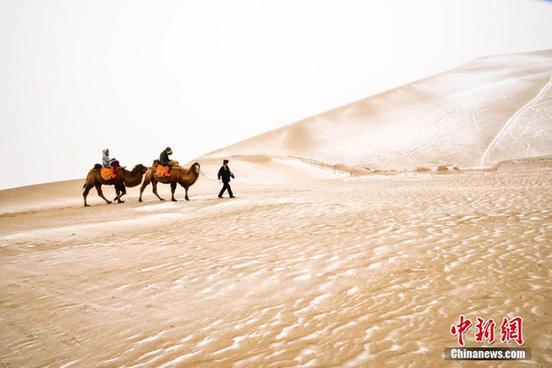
(165,160)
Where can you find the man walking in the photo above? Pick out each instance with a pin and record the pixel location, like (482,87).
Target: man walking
(225,174)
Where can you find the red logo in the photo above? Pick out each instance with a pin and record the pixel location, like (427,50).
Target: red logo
(510,329)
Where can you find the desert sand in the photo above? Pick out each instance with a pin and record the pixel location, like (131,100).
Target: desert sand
(333,271)
(336,251)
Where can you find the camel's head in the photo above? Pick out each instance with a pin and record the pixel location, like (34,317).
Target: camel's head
(195,167)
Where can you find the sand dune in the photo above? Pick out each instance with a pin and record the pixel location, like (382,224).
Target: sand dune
(495,108)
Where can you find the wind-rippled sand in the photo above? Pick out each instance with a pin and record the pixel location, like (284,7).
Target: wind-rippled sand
(342,272)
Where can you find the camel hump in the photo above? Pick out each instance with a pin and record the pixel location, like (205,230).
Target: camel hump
(97,167)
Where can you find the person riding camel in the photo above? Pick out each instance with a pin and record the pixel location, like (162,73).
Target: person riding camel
(111,163)
(106,161)
(164,159)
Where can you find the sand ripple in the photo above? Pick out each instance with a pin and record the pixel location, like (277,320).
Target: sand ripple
(335,274)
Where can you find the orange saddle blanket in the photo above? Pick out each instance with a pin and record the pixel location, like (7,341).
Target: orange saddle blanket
(161,170)
(108,173)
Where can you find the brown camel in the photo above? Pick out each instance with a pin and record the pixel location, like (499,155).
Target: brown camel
(124,179)
(178,175)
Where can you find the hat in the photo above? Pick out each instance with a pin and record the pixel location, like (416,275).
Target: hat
(225,161)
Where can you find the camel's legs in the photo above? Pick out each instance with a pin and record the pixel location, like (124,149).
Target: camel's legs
(100,193)
(173,189)
(123,189)
(186,188)
(154,188)
(120,191)
(85,193)
(143,186)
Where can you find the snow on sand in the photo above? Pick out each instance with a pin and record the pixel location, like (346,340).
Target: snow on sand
(333,273)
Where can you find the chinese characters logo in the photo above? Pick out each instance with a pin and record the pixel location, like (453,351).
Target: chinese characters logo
(510,330)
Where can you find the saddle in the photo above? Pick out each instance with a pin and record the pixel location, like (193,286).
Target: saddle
(164,170)
(108,173)
(161,170)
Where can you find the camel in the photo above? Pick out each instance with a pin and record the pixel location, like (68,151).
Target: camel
(124,179)
(178,175)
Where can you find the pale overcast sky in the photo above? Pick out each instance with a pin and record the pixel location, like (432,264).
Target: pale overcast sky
(135,76)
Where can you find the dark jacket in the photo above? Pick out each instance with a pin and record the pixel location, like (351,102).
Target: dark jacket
(225,174)
(164,158)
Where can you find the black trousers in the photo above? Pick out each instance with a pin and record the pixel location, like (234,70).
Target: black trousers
(224,187)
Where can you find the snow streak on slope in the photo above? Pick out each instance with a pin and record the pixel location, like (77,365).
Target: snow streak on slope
(533,119)
(450,118)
